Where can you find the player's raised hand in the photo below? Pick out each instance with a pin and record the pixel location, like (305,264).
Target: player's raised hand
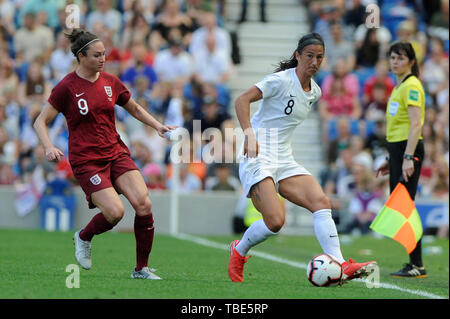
(53,154)
(164,129)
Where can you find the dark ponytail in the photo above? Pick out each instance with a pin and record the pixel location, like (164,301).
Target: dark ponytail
(309,39)
(406,49)
(79,40)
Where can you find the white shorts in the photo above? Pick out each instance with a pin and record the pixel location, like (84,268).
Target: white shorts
(254,170)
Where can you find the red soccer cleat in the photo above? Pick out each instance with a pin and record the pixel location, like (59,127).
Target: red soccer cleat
(352,270)
(236,264)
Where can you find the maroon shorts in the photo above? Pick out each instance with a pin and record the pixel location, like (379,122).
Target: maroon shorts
(97,175)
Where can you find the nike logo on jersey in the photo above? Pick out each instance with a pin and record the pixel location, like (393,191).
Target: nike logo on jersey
(77,95)
(291,95)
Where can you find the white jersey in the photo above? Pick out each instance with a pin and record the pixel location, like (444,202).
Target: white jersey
(284,106)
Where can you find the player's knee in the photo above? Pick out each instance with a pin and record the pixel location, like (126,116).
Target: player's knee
(115,214)
(275,224)
(143,205)
(321,202)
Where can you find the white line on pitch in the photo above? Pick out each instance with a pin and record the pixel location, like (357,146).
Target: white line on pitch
(213,244)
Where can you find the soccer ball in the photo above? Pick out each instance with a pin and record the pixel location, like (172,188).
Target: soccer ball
(324,270)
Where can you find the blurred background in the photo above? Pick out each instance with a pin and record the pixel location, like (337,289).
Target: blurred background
(190,59)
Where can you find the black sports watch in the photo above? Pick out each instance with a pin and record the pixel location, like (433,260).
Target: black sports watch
(408,156)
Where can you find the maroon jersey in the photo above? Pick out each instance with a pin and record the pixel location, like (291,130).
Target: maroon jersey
(89,111)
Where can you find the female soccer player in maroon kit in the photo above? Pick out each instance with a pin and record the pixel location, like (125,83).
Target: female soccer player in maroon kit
(99,159)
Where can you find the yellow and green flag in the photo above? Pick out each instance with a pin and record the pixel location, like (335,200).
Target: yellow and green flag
(399,219)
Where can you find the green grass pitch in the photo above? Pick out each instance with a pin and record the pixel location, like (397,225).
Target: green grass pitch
(33,266)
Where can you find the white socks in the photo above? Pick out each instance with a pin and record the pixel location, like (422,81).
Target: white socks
(324,228)
(326,233)
(256,233)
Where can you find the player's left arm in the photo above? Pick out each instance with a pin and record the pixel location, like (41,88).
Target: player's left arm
(415,127)
(139,113)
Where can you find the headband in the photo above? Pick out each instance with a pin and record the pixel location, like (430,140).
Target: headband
(312,41)
(96,39)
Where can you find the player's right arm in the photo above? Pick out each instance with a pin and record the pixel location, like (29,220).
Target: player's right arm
(242,106)
(46,116)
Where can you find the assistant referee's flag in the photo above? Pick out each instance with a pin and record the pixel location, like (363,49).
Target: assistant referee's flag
(399,219)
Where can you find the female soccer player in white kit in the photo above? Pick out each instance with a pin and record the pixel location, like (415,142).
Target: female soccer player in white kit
(268,165)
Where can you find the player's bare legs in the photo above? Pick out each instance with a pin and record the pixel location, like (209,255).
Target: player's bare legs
(265,199)
(305,191)
(112,210)
(132,186)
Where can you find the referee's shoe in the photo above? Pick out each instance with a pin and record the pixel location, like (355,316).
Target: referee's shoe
(411,271)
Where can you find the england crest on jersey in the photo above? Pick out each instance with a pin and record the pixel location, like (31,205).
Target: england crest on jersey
(96,180)
(108,91)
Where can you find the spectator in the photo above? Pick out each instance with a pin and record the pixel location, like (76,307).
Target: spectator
(407,32)
(381,76)
(144,137)
(170,24)
(7,14)
(8,78)
(173,63)
(333,179)
(132,8)
(339,98)
(383,36)
(338,47)
(369,53)
(35,88)
(32,40)
(141,154)
(105,14)
(346,186)
(212,65)
(440,183)
(211,116)
(365,204)
(153,177)
(439,23)
(139,67)
(9,116)
(137,29)
(222,179)
(356,15)
(377,107)
(209,26)
(435,69)
(376,140)
(141,91)
(50,7)
(188,182)
(61,59)
(341,142)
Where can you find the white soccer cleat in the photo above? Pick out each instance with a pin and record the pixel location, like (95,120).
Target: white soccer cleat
(144,273)
(82,251)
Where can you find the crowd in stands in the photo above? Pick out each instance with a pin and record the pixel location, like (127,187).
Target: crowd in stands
(176,57)
(356,85)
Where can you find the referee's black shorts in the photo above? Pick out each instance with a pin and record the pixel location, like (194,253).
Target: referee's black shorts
(396,151)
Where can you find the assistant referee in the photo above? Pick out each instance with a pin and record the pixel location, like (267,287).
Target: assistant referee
(405,114)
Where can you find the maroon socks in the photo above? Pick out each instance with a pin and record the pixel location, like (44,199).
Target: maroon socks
(96,226)
(143,231)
